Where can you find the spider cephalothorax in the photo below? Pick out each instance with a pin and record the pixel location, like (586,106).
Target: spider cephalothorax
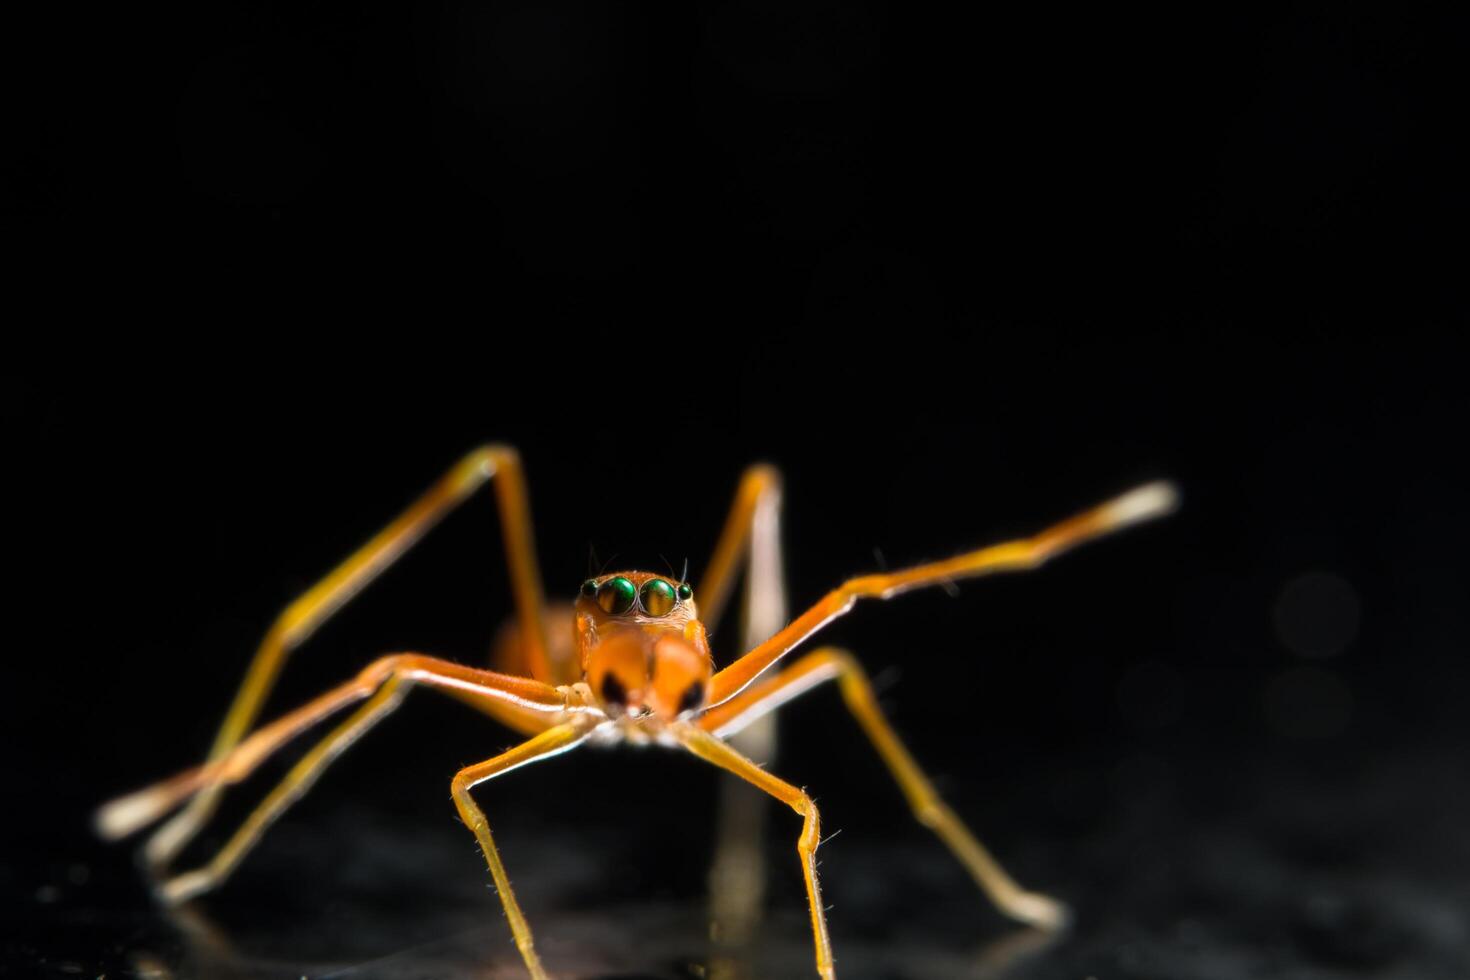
(643,649)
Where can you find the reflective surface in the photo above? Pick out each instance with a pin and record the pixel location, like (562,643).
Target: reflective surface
(1325,876)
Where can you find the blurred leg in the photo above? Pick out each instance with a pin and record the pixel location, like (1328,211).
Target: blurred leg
(302,617)
(528,697)
(1139,504)
(737,879)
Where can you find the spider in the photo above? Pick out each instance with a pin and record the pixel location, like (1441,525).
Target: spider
(627,661)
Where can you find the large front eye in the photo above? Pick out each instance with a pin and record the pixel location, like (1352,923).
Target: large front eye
(658,597)
(616,595)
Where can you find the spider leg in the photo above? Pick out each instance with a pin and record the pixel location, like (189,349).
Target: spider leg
(383,682)
(753,517)
(551,742)
(830,663)
(752,537)
(1140,504)
(182,887)
(716,752)
(303,616)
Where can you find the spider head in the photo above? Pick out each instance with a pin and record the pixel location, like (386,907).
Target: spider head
(644,650)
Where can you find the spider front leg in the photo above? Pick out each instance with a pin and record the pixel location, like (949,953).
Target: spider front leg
(714,751)
(830,663)
(1140,504)
(384,684)
(303,616)
(551,742)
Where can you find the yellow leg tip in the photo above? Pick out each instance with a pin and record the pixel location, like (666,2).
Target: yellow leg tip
(127,815)
(179,889)
(166,843)
(1142,504)
(1041,911)
(533,964)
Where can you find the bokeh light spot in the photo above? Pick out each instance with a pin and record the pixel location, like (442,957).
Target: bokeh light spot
(1317,615)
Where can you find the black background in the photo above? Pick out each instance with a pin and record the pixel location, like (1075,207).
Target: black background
(957,276)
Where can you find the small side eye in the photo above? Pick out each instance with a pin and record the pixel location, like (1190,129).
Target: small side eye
(616,595)
(589,588)
(686,592)
(658,597)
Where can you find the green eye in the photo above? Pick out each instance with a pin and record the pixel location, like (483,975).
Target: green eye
(686,591)
(616,595)
(658,597)
(589,588)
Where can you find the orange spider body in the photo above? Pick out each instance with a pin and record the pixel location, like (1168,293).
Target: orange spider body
(628,661)
(640,671)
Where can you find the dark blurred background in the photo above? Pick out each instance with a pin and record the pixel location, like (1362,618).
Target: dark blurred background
(276,266)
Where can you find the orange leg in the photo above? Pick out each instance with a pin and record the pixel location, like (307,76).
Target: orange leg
(752,537)
(714,751)
(1142,503)
(749,531)
(182,887)
(830,663)
(303,616)
(551,742)
(382,682)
